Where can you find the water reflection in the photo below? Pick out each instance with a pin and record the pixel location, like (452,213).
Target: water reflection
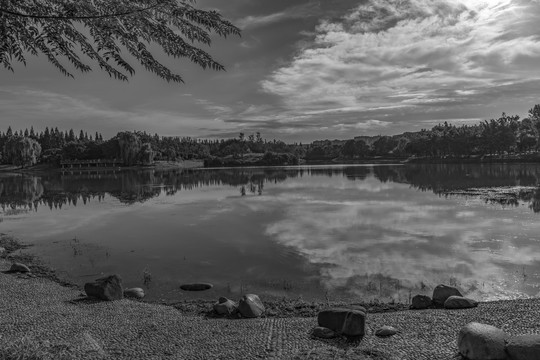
(369,231)
(54,190)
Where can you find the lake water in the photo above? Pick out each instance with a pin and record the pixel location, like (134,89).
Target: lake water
(338,232)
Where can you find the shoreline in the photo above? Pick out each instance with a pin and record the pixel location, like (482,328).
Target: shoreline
(279,307)
(45,320)
(158,165)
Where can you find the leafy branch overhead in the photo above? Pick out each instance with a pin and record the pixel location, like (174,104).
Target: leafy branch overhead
(106,30)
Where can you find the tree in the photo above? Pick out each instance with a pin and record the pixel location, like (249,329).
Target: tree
(22,151)
(105,31)
(130,146)
(146,154)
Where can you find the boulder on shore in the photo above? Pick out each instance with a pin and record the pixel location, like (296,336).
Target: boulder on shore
(459,302)
(225,306)
(18,267)
(482,342)
(250,306)
(443,292)
(196,287)
(107,288)
(135,293)
(524,347)
(343,321)
(421,302)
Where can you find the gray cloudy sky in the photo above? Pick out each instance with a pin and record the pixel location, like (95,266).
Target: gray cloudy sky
(306,70)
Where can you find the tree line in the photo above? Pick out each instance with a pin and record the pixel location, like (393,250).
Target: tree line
(507,134)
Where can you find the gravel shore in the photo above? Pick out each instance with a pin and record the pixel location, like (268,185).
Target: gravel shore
(43,319)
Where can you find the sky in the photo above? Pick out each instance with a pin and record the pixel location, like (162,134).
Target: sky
(305,70)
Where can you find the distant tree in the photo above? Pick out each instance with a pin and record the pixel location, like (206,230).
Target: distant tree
(22,151)
(130,146)
(146,154)
(105,31)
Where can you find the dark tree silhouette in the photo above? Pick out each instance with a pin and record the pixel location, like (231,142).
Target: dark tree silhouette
(104,31)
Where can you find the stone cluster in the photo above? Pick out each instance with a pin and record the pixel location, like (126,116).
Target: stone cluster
(249,306)
(444,296)
(109,288)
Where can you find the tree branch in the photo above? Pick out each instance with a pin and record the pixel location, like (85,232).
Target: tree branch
(88,17)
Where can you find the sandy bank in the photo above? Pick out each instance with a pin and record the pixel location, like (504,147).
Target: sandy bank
(39,315)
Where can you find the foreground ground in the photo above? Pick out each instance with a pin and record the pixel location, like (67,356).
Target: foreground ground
(41,319)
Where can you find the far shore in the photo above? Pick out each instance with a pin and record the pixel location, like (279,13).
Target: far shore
(158,165)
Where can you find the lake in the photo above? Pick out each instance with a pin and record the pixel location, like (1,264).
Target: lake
(351,232)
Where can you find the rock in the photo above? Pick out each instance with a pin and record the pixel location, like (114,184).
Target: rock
(18,267)
(136,293)
(323,333)
(343,321)
(385,330)
(2,251)
(250,306)
(196,287)
(106,288)
(225,306)
(443,292)
(421,302)
(459,302)
(481,342)
(524,347)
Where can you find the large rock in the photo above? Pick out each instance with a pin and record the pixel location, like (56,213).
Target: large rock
(459,302)
(106,288)
(443,292)
(324,333)
(225,306)
(196,287)
(481,342)
(18,267)
(250,306)
(343,321)
(421,302)
(524,347)
(135,293)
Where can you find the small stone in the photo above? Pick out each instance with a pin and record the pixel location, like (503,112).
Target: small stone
(324,333)
(343,321)
(421,302)
(196,287)
(385,330)
(225,306)
(250,306)
(524,347)
(107,288)
(459,302)
(481,342)
(135,293)
(2,251)
(443,292)
(18,267)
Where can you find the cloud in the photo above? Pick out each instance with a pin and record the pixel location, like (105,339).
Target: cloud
(294,12)
(354,233)
(416,56)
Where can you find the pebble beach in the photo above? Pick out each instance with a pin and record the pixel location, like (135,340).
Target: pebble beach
(41,319)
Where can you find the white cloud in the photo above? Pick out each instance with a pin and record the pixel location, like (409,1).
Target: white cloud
(412,54)
(294,12)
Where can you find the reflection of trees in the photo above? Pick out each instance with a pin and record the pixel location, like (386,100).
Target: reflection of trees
(55,190)
(488,181)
